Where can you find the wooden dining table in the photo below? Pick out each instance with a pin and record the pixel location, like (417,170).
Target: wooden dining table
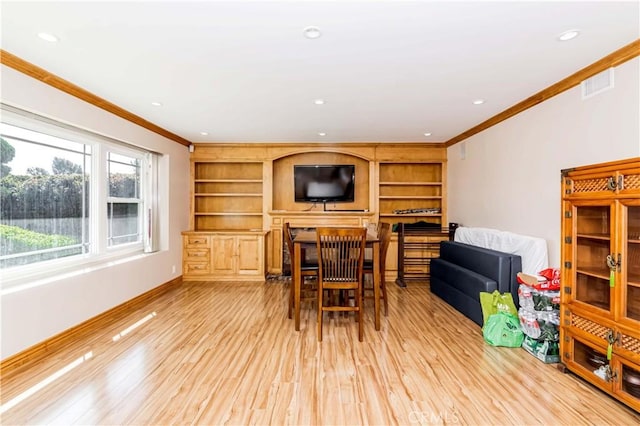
(304,239)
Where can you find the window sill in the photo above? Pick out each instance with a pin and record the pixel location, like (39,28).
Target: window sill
(30,276)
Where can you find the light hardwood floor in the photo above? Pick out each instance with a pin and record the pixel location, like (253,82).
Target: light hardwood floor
(225,353)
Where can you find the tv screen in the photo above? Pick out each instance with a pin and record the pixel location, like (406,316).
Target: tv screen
(324,183)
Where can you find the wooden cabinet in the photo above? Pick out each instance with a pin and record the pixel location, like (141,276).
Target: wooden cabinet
(231,256)
(241,188)
(412,192)
(600,313)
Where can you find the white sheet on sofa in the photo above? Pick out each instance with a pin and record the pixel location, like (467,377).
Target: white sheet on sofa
(532,250)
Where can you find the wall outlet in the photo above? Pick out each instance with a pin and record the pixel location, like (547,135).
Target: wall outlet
(173,269)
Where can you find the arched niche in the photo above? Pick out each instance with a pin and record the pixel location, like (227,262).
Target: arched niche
(283,188)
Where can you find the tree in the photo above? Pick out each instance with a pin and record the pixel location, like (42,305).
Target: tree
(62,166)
(7,152)
(37,171)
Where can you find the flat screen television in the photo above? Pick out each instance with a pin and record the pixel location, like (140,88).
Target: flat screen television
(324,183)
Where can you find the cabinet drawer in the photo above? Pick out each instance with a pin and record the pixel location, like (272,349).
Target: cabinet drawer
(197,255)
(196,268)
(196,241)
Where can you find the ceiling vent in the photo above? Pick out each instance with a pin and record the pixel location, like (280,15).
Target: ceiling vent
(597,84)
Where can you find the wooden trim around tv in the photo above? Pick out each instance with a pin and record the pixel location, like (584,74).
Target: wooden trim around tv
(40,350)
(46,77)
(616,58)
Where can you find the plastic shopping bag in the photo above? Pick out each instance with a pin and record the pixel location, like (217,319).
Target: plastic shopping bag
(503,329)
(492,303)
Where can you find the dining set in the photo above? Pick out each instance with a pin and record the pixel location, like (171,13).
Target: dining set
(336,277)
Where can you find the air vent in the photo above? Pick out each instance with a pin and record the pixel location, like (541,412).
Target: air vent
(597,84)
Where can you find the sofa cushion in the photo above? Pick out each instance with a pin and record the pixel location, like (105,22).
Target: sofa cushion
(464,280)
(470,307)
(492,264)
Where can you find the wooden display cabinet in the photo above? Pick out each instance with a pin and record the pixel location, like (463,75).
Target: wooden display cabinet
(600,312)
(247,189)
(226,241)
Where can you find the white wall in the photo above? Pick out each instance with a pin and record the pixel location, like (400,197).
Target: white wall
(510,178)
(32,315)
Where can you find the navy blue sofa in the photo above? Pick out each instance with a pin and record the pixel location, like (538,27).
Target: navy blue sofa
(462,271)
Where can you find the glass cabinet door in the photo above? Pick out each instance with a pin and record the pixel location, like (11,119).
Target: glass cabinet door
(631,259)
(593,245)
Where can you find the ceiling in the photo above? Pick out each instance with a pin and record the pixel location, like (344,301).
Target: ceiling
(387,70)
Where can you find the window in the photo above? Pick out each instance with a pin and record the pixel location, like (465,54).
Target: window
(124,202)
(69,194)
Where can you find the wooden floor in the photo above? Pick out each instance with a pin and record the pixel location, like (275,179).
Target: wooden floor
(225,353)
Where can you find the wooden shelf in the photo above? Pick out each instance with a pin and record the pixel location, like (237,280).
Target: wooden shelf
(602,237)
(410,197)
(230,194)
(229,214)
(602,273)
(228,180)
(633,279)
(411,183)
(411,215)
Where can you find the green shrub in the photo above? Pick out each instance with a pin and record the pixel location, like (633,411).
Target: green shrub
(14,239)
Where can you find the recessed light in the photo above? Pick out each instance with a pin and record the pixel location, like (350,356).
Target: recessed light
(312,32)
(319,102)
(158,104)
(204,133)
(427,134)
(322,134)
(478,102)
(568,35)
(48,37)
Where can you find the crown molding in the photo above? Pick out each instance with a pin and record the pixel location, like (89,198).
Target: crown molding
(52,80)
(616,58)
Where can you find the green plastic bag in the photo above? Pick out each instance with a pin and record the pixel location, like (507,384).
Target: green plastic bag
(503,329)
(492,303)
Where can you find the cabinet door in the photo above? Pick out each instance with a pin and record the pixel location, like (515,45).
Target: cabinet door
(223,258)
(629,285)
(627,383)
(592,281)
(250,252)
(588,361)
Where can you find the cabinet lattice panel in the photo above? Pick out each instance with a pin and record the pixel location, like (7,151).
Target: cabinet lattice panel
(589,326)
(590,185)
(632,181)
(630,343)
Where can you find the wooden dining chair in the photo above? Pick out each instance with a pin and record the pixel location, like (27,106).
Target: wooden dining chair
(384,236)
(340,262)
(308,269)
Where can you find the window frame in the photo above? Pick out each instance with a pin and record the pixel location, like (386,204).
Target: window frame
(100,254)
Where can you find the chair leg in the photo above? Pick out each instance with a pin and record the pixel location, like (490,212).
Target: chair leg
(320,300)
(359,301)
(291,295)
(383,290)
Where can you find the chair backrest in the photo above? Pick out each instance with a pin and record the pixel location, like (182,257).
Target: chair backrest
(286,231)
(341,254)
(384,235)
